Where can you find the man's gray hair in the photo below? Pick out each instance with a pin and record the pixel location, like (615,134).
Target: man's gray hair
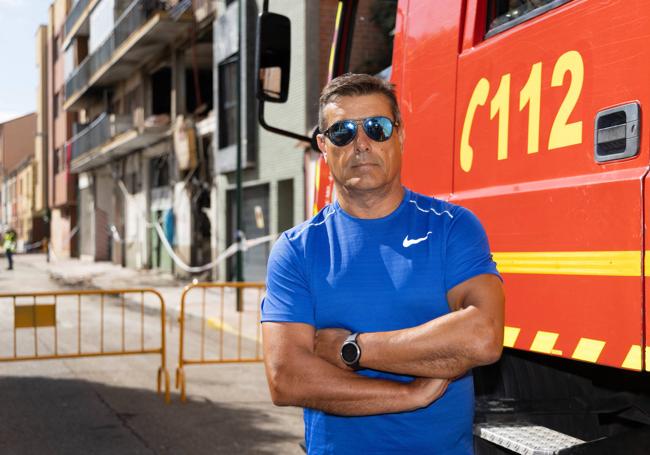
(351,84)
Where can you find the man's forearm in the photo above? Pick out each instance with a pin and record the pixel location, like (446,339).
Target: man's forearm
(445,347)
(318,384)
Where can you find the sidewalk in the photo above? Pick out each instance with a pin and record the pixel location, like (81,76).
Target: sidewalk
(109,405)
(79,274)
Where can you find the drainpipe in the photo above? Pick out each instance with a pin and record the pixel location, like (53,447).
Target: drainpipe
(240,75)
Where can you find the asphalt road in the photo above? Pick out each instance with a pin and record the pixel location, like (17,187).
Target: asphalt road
(109,405)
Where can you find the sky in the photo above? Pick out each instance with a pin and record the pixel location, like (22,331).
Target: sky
(19,20)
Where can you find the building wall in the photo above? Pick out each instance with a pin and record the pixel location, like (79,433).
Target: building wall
(277,158)
(16,147)
(61,238)
(135,211)
(103,204)
(61,185)
(17,141)
(24,201)
(40,140)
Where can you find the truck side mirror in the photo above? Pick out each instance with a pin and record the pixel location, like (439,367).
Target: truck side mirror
(273,57)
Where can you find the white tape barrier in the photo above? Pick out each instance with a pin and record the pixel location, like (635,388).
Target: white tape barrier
(242,245)
(50,250)
(32,246)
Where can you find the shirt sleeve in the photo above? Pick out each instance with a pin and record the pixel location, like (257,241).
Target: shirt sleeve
(288,297)
(467,251)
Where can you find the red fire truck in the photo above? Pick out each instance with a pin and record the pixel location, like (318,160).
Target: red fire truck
(529,113)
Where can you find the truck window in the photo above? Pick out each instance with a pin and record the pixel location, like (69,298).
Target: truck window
(372,41)
(505,14)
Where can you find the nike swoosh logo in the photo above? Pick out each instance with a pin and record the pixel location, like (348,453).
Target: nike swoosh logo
(408,242)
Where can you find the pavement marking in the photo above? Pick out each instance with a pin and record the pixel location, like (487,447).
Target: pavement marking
(219,325)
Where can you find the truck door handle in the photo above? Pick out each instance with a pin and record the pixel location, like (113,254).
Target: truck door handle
(616,133)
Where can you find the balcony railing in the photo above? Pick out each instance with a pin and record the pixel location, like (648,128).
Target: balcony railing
(74,14)
(134,17)
(99,132)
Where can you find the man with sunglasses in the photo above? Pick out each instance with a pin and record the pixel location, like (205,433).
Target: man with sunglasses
(378,307)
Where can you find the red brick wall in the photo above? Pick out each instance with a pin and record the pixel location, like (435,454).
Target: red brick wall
(368,45)
(327,22)
(17,141)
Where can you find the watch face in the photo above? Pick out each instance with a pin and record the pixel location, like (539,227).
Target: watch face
(349,352)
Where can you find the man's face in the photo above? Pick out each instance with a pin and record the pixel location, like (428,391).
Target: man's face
(363,164)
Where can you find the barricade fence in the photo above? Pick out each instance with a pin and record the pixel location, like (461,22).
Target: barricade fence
(219,323)
(84,323)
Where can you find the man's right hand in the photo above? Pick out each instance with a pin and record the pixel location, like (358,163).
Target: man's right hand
(427,390)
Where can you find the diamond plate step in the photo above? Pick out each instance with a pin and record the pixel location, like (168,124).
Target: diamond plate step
(525,438)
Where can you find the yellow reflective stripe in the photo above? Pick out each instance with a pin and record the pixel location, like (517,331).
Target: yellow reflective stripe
(633,358)
(339,12)
(510,335)
(545,342)
(588,350)
(608,263)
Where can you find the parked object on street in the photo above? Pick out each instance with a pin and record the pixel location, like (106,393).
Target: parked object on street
(224,308)
(527,117)
(96,319)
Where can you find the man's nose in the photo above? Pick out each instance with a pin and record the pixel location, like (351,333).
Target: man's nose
(362,141)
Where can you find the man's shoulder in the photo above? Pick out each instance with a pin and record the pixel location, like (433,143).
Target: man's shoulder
(299,233)
(432,206)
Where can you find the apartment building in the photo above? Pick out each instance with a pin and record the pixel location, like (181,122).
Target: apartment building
(278,176)
(41,213)
(61,183)
(16,177)
(152,90)
(141,87)
(273,177)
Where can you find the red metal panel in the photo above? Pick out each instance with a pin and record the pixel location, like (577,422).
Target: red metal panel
(426,49)
(555,197)
(566,305)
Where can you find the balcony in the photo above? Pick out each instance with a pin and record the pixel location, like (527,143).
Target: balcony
(110,136)
(140,34)
(76,17)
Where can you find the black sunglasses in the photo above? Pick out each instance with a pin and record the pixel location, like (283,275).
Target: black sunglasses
(378,129)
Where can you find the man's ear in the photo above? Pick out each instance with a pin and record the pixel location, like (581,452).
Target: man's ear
(401,135)
(320,139)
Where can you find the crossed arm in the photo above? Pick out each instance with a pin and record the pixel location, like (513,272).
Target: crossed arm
(304,369)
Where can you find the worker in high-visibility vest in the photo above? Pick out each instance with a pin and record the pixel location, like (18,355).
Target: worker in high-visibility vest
(9,246)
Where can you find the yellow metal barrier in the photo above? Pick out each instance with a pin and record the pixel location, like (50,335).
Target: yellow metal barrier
(223,323)
(82,323)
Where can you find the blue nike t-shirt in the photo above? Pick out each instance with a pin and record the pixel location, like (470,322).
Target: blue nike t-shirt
(375,275)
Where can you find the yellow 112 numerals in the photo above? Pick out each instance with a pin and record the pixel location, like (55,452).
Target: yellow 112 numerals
(562,134)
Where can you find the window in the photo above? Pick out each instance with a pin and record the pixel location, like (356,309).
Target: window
(372,41)
(62,159)
(55,105)
(160,91)
(228,96)
(55,161)
(159,171)
(504,14)
(55,48)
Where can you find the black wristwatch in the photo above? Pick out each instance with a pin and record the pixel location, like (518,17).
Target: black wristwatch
(351,352)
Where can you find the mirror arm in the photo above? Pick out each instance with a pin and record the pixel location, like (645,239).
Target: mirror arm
(273,129)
